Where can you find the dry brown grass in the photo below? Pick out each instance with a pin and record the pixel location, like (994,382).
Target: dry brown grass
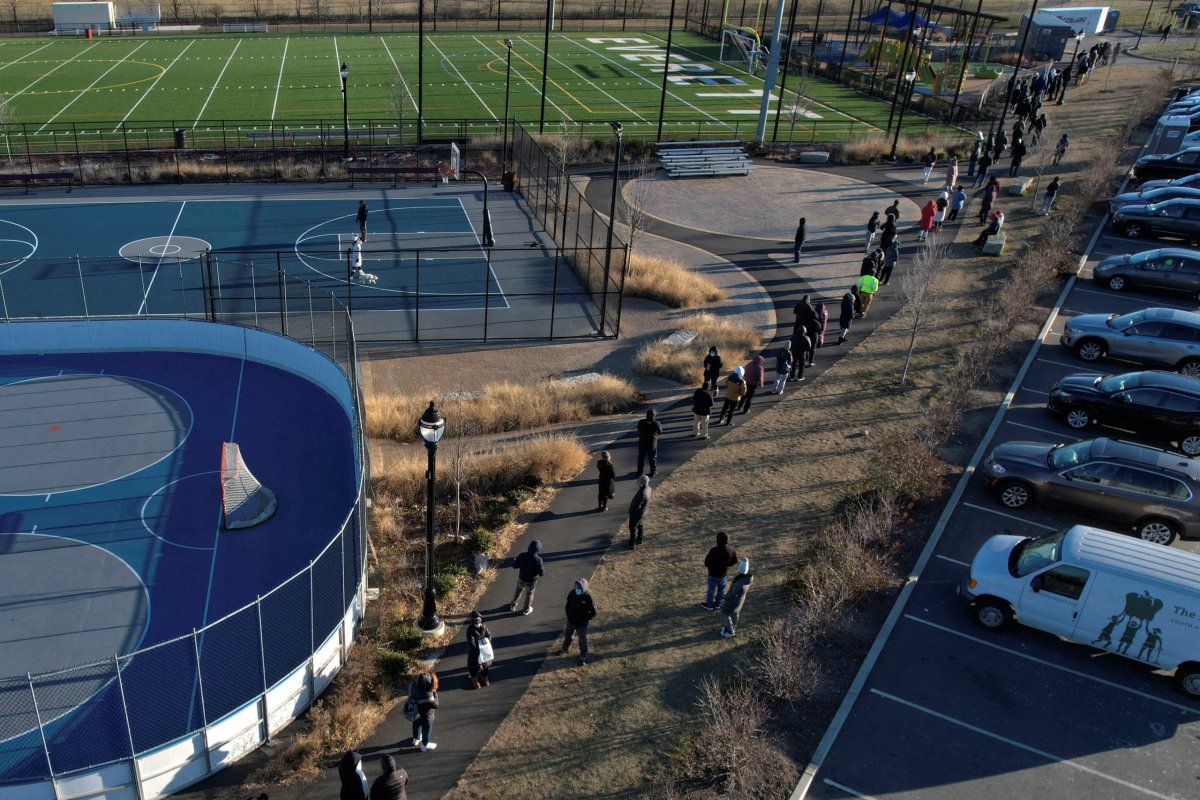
(666,281)
(875,148)
(734,339)
(501,407)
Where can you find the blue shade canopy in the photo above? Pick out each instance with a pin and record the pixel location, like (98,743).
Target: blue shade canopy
(893,19)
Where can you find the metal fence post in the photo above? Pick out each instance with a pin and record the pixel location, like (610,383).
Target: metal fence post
(133,762)
(487,290)
(203,709)
(128,162)
(312,636)
(42,733)
(264,709)
(82,286)
(282,295)
(554,290)
(416,297)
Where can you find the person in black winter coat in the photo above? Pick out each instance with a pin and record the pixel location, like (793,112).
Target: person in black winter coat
(801,347)
(720,558)
(637,511)
(581,610)
(423,690)
(1018,155)
(608,480)
(529,568)
(648,431)
(391,784)
(712,368)
(477,668)
(702,403)
(354,781)
(847,316)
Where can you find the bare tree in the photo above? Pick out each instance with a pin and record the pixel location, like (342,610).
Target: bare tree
(917,283)
(633,208)
(177,9)
(316,6)
(6,119)
(14,12)
(458,449)
(397,99)
(299,5)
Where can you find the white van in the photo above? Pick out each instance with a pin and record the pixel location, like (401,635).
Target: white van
(1105,590)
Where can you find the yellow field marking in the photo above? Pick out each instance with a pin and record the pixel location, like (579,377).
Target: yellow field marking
(161,69)
(557,85)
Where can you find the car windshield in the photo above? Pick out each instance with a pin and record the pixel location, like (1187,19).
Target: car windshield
(1125,320)
(1033,554)
(1119,383)
(1065,456)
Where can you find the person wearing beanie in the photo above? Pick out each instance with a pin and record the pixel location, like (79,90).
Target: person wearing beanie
(702,403)
(735,390)
(391,783)
(637,511)
(648,431)
(530,567)
(735,598)
(712,369)
(477,667)
(350,773)
(720,558)
(581,610)
(608,480)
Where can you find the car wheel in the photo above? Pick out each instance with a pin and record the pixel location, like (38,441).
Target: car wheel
(992,615)
(1014,494)
(1190,368)
(1117,283)
(1079,417)
(1156,531)
(1187,679)
(1090,350)
(1190,445)
(1132,229)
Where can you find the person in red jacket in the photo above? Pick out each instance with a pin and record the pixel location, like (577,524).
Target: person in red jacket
(928,212)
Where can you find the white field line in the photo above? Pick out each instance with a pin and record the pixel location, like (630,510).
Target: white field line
(396,67)
(56,68)
(166,244)
(538,89)
(217,82)
(279,83)
(151,89)
(337,57)
(89,87)
(450,62)
(19,59)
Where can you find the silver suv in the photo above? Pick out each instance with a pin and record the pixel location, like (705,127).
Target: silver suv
(1153,335)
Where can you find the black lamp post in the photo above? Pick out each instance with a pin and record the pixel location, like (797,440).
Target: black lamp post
(349,281)
(345,73)
(618,128)
(910,78)
(1149,11)
(431,426)
(1078,41)
(488,239)
(507,88)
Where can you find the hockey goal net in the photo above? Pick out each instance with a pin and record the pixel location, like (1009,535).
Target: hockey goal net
(244,501)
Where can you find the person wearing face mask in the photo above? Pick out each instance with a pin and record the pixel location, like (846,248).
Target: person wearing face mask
(580,611)
(478,664)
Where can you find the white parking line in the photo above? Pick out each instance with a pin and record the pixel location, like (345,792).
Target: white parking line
(1140,301)
(847,789)
(1055,434)
(1022,520)
(1021,746)
(1110,684)
(1079,367)
(954,561)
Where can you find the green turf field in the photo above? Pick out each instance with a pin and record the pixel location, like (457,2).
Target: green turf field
(53,85)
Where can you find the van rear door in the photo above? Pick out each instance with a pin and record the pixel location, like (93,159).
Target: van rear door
(1051,599)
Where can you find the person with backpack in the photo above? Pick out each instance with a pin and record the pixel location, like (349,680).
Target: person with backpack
(735,390)
(872,229)
(702,403)
(580,611)
(887,232)
(1018,155)
(479,651)
(423,694)
(717,562)
(712,368)
(606,486)
(783,367)
(530,567)
(735,598)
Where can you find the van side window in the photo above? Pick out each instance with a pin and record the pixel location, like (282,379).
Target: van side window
(1065,581)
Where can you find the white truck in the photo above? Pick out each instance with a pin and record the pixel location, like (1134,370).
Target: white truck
(1101,589)
(1089,19)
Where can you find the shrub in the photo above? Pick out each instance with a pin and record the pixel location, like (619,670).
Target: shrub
(403,636)
(447,580)
(395,667)
(729,751)
(481,541)
(904,469)
(683,363)
(666,281)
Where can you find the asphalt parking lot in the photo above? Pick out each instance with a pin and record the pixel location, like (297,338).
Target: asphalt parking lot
(951,710)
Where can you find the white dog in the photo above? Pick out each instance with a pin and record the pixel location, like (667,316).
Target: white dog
(367,278)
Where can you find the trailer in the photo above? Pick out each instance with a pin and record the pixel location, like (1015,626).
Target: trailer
(1089,19)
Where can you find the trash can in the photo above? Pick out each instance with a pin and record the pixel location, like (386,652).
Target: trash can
(509,180)
(180,138)
(87,33)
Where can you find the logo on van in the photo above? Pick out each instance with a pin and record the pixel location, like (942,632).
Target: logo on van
(1139,611)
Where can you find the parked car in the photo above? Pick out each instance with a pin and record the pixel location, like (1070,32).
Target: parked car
(1179,217)
(1157,405)
(1155,194)
(1164,268)
(1150,491)
(1170,165)
(1183,180)
(1153,335)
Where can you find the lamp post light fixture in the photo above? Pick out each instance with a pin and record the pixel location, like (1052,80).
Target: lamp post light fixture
(1079,37)
(345,73)
(507,88)
(618,129)
(910,79)
(432,425)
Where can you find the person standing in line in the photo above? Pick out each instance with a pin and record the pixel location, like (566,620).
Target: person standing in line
(985,163)
(798,241)
(783,367)
(801,346)
(929,160)
(580,610)
(868,285)
(872,229)
(477,667)
(846,316)
(702,403)
(951,173)
(893,210)
(887,232)
(928,212)
(1001,145)
(806,317)
(755,374)
(941,208)
(712,368)
(735,598)
(1018,155)
(352,777)
(891,257)
(1060,149)
(392,782)
(735,390)
(976,151)
(989,196)
(362,219)
(530,567)
(822,322)
(1048,197)
(638,507)
(607,485)
(423,690)
(719,559)
(648,431)
(957,201)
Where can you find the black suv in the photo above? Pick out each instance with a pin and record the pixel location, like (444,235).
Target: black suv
(1154,405)
(1172,165)
(1178,217)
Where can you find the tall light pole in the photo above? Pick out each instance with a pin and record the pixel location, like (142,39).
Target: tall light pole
(546,63)
(662,98)
(1149,11)
(489,240)
(1079,36)
(432,425)
(420,73)
(618,128)
(507,88)
(910,78)
(345,73)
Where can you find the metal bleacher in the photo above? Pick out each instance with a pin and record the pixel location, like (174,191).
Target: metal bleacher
(703,159)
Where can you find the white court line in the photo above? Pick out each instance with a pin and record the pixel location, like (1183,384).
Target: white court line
(1055,434)
(212,570)
(217,82)
(89,87)
(279,83)
(1043,662)
(45,75)
(396,67)
(1141,301)
(954,561)
(150,285)
(447,60)
(151,88)
(491,274)
(1021,520)
(847,790)
(1022,746)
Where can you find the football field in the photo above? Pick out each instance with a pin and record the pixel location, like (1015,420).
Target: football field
(57,85)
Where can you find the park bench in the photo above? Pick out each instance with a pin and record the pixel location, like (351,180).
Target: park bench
(28,179)
(395,172)
(686,159)
(285,136)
